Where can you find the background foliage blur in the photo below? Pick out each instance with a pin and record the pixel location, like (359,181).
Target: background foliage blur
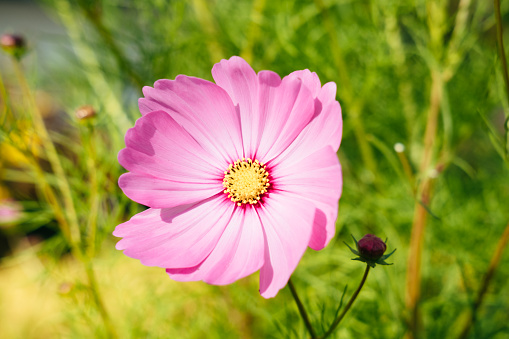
(425,74)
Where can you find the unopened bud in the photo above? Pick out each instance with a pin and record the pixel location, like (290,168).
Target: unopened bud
(85,112)
(13,44)
(371,247)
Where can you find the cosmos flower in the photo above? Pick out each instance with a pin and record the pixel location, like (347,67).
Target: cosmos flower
(240,175)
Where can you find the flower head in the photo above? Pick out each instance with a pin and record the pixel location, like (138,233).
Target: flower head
(240,175)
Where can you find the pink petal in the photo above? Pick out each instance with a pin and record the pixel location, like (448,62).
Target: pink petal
(175,237)
(204,109)
(239,80)
(287,223)
(316,178)
(325,128)
(310,80)
(272,112)
(237,254)
(168,167)
(284,111)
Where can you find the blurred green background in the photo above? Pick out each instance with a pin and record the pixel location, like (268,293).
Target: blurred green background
(422,75)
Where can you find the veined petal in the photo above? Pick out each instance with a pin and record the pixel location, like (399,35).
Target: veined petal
(204,109)
(324,129)
(273,111)
(310,80)
(175,237)
(237,254)
(168,167)
(240,81)
(287,224)
(284,111)
(318,179)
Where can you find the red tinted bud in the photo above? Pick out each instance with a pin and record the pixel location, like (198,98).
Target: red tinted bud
(13,44)
(371,247)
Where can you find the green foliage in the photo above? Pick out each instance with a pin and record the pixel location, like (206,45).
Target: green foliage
(383,55)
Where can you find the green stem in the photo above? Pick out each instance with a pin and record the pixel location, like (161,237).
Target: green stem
(95,18)
(501,52)
(110,329)
(302,310)
(207,22)
(495,260)
(500,43)
(253,32)
(353,103)
(54,160)
(348,306)
(94,201)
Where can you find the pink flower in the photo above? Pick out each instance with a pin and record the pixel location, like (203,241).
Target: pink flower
(240,176)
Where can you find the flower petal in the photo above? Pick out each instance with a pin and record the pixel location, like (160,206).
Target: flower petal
(316,178)
(272,111)
(324,129)
(287,223)
(237,254)
(284,111)
(310,80)
(239,80)
(204,109)
(168,167)
(175,237)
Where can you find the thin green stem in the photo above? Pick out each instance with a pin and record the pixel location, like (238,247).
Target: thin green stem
(95,18)
(501,52)
(500,43)
(253,32)
(348,306)
(94,200)
(302,310)
(207,22)
(353,103)
(495,260)
(52,154)
(110,329)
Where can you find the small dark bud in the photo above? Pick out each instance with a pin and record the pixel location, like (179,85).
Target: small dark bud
(85,112)
(370,249)
(13,44)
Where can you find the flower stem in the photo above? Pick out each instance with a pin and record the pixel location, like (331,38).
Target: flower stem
(501,52)
(110,329)
(53,158)
(302,310)
(348,306)
(420,212)
(495,260)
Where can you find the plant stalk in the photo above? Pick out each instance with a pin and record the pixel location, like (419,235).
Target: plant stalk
(348,306)
(302,310)
(495,260)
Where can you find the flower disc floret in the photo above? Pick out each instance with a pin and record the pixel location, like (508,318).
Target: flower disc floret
(246,181)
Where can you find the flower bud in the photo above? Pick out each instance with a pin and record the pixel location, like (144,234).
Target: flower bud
(13,44)
(85,112)
(371,247)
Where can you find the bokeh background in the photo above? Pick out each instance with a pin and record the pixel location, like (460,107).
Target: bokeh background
(424,156)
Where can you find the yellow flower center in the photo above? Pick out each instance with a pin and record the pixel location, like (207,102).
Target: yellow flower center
(245,181)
